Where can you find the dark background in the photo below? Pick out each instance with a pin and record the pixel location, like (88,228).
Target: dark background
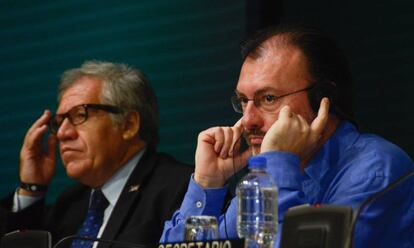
(190,51)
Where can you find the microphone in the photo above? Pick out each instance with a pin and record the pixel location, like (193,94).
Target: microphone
(322,226)
(374,198)
(328,226)
(118,244)
(43,239)
(27,239)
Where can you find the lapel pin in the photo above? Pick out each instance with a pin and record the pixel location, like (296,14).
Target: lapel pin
(133,188)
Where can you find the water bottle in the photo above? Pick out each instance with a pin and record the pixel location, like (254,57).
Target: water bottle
(257,206)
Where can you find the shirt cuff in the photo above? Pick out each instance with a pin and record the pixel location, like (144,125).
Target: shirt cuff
(284,167)
(21,202)
(199,201)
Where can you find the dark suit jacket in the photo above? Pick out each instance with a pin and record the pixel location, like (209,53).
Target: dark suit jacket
(137,217)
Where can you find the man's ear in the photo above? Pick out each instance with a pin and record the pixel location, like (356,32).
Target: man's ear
(131,125)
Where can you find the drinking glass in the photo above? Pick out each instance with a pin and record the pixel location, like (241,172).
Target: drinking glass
(201,228)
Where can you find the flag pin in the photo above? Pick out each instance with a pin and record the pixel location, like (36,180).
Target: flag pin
(134,188)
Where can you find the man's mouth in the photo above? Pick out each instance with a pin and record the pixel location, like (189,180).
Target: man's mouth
(255,139)
(67,149)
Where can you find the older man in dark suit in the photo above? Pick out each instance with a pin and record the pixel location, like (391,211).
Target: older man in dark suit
(107,128)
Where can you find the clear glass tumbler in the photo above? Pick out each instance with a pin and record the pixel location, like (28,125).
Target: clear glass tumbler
(201,228)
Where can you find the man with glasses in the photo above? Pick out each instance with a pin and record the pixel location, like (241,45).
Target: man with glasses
(294,92)
(107,128)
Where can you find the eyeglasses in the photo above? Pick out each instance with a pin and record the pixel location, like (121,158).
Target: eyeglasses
(264,102)
(79,114)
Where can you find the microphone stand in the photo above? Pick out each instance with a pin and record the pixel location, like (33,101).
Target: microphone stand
(372,199)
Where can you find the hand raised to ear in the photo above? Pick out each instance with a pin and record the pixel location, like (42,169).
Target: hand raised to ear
(37,165)
(292,133)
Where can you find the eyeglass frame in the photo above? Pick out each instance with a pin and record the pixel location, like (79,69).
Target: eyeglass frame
(54,125)
(236,103)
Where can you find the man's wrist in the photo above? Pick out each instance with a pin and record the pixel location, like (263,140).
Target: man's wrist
(32,189)
(208,182)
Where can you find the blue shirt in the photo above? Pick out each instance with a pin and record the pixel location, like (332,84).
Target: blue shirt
(348,169)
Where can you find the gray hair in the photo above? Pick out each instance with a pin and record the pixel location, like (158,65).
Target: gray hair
(123,87)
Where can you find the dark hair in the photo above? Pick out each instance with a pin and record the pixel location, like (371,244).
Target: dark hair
(326,62)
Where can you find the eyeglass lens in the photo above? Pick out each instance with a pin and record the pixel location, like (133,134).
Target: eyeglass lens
(77,115)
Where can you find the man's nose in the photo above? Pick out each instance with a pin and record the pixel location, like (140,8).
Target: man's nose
(251,116)
(66,130)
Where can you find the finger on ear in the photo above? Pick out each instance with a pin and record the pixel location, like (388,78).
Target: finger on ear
(319,123)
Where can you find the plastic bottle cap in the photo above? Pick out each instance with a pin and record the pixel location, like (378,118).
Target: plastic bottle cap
(257,162)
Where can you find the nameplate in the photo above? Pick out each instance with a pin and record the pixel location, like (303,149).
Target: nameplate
(222,243)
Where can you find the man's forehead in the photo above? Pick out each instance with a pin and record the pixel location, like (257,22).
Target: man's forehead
(83,91)
(282,69)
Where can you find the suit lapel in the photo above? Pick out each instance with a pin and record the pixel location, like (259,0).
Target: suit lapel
(130,194)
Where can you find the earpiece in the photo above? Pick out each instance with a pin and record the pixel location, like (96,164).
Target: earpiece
(328,89)
(321,90)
